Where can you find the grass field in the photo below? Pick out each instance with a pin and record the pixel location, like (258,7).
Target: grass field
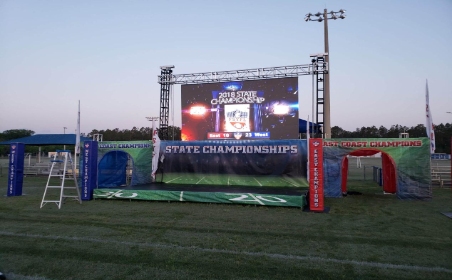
(233,180)
(368,236)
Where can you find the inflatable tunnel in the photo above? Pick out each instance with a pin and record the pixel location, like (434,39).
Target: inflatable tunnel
(112,169)
(388,169)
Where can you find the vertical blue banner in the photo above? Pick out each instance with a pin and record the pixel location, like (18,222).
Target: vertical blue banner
(16,169)
(89,169)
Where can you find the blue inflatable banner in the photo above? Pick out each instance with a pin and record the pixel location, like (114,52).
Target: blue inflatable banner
(16,169)
(89,169)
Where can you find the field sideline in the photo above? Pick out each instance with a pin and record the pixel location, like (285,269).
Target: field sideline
(367,236)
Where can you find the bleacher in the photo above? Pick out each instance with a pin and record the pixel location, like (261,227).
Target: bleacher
(441,174)
(37,169)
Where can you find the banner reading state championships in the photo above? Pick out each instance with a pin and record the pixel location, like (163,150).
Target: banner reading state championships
(234,162)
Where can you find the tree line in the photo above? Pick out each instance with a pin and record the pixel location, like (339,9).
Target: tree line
(134,134)
(443,134)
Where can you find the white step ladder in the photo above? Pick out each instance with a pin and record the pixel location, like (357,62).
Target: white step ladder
(59,169)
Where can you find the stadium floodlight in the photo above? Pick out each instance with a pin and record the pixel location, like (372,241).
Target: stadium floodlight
(167,67)
(318,17)
(319,55)
(153,119)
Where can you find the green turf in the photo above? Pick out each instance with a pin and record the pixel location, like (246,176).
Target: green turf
(232,180)
(368,236)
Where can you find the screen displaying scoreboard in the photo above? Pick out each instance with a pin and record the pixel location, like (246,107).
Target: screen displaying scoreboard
(246,110)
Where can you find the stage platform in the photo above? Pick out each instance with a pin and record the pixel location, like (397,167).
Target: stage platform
(265,196)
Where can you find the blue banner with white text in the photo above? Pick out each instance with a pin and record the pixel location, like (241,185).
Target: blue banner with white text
(16,169)
(89,169)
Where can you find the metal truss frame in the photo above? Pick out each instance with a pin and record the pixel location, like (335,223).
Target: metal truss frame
(243,75)
(167,80)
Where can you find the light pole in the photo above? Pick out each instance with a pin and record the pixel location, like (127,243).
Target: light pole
(64,147)
(153,119)
(319,17)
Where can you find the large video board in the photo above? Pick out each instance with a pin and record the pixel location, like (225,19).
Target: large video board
(246,110)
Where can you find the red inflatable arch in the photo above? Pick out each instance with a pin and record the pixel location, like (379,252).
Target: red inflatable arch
(388,169)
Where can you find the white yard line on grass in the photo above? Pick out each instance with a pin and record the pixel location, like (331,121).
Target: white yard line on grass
(289,182)
(174,179)
(258,182)
(200,180)
(220,251)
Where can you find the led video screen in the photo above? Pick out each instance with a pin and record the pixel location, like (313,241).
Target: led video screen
(245,110)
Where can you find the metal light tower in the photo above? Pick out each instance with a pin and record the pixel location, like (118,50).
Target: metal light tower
(153,119)
(324,17)
(166,85)
(318,82)
(64,146)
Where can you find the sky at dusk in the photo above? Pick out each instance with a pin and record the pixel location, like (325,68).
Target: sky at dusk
(108,54)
